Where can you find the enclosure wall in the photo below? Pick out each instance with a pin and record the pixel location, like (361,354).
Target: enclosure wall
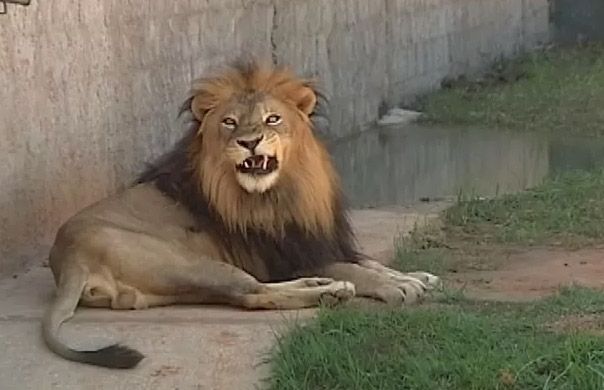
(89,90)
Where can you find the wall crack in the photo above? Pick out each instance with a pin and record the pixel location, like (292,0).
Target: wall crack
(273,36)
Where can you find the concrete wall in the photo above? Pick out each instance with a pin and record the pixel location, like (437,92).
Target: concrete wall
(90,89)
(578,20)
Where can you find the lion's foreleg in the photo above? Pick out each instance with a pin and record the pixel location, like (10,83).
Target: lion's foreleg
(430,281)
(373,280)
(217,282)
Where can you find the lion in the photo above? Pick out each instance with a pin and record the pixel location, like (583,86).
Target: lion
(246,210)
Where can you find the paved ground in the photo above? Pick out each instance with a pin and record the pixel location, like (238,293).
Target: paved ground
(186,347)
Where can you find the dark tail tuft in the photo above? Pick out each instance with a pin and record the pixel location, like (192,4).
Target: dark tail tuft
(113,356)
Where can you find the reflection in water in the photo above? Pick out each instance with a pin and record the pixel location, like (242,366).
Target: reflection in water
(576,152)
(393,165)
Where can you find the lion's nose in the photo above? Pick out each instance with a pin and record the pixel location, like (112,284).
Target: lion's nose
(250,144)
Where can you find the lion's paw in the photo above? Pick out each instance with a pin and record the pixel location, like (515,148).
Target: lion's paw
(337,292)
(429,280)
(399,292)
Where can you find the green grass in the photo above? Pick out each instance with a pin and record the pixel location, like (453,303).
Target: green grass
(565,211)
(567,208)
(457,344)
(559,90)
(425,249)
(433,260)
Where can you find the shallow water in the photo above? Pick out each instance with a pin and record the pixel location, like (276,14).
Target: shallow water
(403,165)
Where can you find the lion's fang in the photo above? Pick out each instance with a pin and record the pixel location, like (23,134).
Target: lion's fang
(265,163)
(246,164)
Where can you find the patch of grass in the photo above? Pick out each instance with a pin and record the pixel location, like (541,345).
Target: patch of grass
(433,260)
(558,90)
(483,346)
(424,250)
(461,343)
(569,208)
(573,301)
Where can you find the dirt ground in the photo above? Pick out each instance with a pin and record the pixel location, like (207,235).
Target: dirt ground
(589,323)
(526,274)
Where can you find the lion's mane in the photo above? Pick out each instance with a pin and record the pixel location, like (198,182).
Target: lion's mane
(290,230)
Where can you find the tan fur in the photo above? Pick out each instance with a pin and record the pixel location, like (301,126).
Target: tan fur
(311,172)
(140,248)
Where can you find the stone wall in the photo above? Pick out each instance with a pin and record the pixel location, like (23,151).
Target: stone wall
(577,20)
(90,89)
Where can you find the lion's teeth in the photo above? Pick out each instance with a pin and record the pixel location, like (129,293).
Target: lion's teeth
(246,164)
(265,163)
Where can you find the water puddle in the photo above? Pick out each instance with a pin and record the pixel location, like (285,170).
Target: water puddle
(403,165)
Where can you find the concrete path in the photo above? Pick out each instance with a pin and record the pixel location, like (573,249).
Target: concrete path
(186,347)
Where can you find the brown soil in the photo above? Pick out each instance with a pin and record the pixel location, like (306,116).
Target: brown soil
(531,273)
(587,323)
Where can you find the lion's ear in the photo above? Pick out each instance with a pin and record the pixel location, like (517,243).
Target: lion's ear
(200,105)
(305,99)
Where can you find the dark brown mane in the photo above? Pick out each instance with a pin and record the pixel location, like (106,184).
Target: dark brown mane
(297,252)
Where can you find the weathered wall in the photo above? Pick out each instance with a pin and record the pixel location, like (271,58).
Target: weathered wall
(577,20)
(90,89)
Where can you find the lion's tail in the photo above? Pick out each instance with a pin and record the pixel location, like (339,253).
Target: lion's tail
(69,290)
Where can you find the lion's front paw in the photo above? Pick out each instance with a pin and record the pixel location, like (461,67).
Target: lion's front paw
(429,280)
(399,287)
(400,291)
(337,292)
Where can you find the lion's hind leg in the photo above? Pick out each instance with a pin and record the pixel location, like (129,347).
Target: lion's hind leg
(103,290)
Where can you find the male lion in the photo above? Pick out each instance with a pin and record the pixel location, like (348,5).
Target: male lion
(245,211)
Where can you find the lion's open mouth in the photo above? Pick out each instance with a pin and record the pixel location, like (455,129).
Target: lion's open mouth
(258,165)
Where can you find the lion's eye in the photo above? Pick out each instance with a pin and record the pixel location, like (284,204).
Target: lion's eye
(229,123)
(273,119)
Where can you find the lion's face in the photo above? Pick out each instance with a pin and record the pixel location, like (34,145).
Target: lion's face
(258,163)
(251,123)
(253,134)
